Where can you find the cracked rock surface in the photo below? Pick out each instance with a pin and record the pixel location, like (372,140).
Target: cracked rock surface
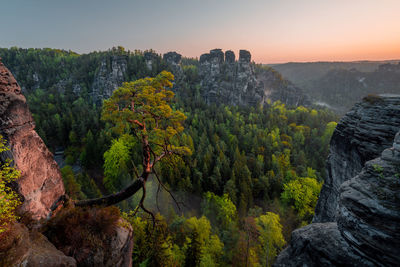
(40,183)
(366,230)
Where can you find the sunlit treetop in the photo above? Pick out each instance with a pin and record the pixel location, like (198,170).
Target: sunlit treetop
(142,108)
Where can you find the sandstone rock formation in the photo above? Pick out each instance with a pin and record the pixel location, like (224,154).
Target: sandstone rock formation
(366,231)
(173,59)
(40,183)
(109,77)
(227,81)
(276,88)
(150,57)
(40,186)
(361,135)
(24,248)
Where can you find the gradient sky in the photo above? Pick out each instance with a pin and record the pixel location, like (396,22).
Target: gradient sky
(272,30)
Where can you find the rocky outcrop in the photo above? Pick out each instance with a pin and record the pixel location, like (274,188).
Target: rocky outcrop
(320,244)
(92,236)
(109,77)
(366,231)
(30,248)
(227,81)
(150,58)
(40,183)
(369,208)
(116,253)
(276,88)
(361,135)
(40,186)
(173,59)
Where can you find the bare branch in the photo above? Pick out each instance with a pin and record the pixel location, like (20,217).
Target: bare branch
(166,189)
(158,191)
(141,204)
(135,170)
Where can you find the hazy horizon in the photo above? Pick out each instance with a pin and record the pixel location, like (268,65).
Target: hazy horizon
(273,31)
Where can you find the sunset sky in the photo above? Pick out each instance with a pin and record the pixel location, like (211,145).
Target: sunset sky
(272,30)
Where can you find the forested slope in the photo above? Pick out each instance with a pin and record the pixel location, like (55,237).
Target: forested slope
(254,174)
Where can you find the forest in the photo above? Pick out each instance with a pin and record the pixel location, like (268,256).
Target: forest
(253,175)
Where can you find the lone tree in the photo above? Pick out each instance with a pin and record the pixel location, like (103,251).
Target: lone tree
(142,109)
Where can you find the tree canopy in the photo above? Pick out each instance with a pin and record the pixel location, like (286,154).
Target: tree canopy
(142,109)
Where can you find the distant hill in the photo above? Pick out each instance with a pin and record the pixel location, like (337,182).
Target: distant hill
(301,74)
(339,85)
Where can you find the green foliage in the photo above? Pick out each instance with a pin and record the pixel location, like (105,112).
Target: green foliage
(143,108)
(271,238)
(72,187)
(377,168)
(302,194)
(79,186)
(117,162)
(245,156)
(373,98)
(219,210)
(9,199)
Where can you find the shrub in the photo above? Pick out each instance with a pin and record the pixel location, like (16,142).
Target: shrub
(373,99)
(80,231)
(9,199)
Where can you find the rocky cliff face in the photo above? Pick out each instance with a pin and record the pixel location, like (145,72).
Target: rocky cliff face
(40,183)
(225,80)
(366,227)
(361,135)
(40,186)
(109,77)
(25,248)
(173,59)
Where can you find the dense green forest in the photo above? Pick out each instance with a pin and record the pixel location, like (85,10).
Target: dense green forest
(254,174)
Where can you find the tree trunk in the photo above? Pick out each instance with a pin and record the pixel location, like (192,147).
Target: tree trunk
(132,188)
(117,197)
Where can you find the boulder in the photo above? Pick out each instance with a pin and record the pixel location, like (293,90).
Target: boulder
(319,244)
(27,248)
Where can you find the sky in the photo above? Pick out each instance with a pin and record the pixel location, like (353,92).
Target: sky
(274,31)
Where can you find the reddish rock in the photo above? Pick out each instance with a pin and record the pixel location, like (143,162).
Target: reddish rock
(22,247)
(40,183)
